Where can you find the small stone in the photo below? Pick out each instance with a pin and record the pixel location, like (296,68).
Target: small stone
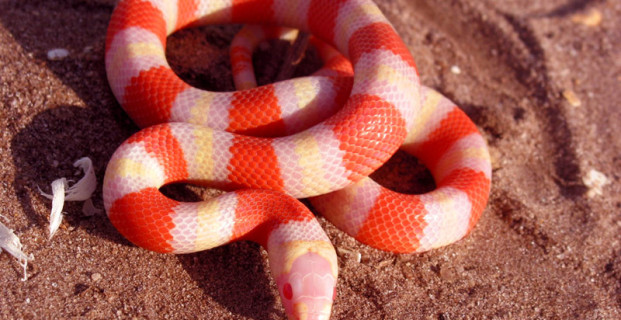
(590,19)
(455,70)
(595,181)
(57,54)
(572,98)
(96,276)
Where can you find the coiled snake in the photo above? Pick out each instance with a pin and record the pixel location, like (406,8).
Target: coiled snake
(203,138)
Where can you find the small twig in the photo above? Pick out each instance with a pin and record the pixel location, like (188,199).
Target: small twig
(293,57)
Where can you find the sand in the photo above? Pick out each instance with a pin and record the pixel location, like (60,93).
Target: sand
(541,79)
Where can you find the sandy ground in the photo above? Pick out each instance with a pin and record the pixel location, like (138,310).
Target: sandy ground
(541,79)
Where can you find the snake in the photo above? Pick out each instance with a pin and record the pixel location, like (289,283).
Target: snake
(316,137)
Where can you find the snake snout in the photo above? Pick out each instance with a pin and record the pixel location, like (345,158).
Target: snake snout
(308,289)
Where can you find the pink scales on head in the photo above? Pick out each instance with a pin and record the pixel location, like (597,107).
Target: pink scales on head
(308,289)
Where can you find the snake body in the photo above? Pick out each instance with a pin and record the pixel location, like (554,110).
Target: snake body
(202,138)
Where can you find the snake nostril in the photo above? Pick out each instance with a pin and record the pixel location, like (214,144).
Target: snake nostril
(287,291)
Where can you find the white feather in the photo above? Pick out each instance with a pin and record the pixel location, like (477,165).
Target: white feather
(11,244)
(80,191)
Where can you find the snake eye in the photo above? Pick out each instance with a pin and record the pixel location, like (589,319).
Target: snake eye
(287,291)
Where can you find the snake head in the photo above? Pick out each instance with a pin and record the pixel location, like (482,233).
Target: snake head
(308,289)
